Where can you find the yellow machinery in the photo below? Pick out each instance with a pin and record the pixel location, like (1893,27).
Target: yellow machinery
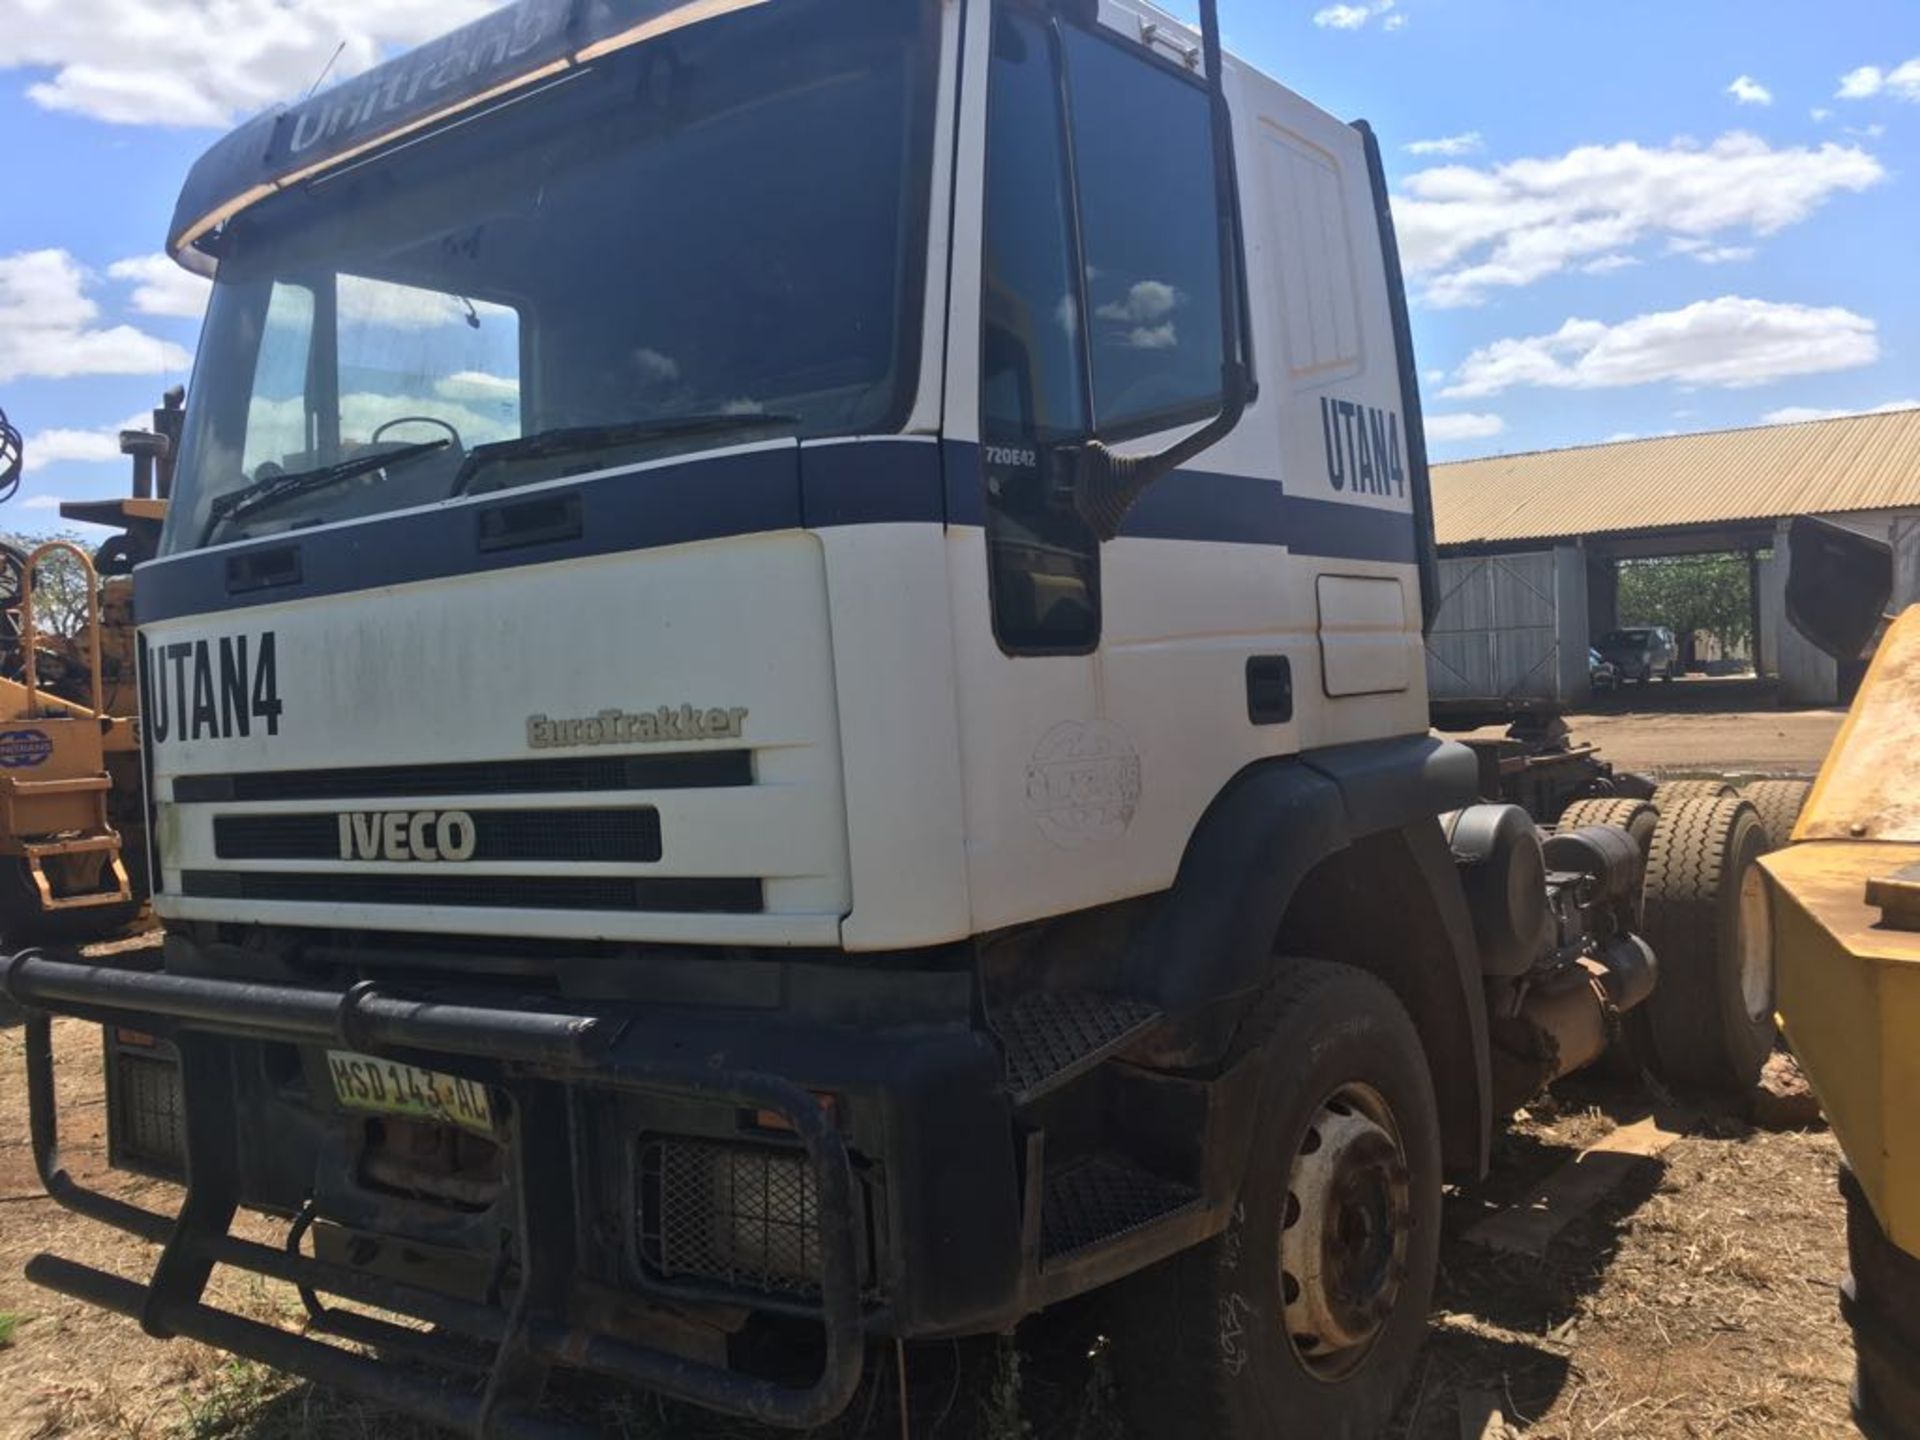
(1845,903)
(73,842)
(63,851)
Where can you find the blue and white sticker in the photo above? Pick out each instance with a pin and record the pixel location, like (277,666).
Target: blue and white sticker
(23,749)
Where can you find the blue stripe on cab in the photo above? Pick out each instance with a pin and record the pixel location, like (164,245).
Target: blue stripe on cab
(748,492)
(1208,505)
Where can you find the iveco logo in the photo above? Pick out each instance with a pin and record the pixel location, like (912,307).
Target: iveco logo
(407,835)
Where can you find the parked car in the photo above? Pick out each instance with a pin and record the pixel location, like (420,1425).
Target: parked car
(1602,674)
(1640,652)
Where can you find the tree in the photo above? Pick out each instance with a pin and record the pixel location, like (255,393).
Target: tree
(60,599)
(1689,594)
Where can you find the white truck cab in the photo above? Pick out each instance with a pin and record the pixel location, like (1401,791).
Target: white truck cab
(779,622)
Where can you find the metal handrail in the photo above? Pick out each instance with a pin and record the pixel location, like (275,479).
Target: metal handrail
(29,627)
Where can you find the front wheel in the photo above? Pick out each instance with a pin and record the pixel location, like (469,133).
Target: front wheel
(1304,1317)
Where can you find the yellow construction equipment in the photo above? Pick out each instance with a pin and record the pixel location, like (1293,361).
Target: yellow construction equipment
(1845,906)
(73,834)
(62,851)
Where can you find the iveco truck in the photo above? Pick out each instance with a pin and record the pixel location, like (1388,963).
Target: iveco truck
(784,710)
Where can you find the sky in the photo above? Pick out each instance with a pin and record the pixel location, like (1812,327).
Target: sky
(1619,218)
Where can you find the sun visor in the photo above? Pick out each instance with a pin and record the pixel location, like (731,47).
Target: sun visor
(513,47)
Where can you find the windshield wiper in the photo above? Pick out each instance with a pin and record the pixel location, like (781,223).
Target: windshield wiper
(265,493)
(580,439)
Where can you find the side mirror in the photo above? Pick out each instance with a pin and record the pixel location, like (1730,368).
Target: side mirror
(1103,486)
(1838,585)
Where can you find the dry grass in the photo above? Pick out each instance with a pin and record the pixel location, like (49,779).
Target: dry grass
(1698,1301)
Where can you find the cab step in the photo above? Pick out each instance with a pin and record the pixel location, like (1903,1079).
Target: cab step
(1050,1037)
(1097,1201)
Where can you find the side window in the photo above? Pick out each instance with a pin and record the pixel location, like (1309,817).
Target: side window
(1100,301)
(1144,161)
(1042,559)
(279,422)
(1033,375)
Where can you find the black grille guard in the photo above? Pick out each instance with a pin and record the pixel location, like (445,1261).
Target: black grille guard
(544,1051)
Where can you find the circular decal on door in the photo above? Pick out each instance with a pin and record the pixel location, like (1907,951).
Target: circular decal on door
(21,749)
(1083,782)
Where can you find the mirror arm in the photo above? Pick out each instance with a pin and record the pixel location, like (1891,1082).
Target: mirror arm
(1104,486)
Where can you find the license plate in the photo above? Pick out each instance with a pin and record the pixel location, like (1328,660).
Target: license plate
(386,1087)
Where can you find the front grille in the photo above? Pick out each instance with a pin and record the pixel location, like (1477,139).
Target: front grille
(698,770)
(744,1217)
(631,835)
(691,895)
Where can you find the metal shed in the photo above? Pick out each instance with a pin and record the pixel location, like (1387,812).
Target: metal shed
(1730,490)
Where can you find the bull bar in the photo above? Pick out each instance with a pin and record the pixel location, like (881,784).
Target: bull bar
(543,1051)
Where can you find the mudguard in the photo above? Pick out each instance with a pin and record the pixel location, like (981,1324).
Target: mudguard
(1211,946)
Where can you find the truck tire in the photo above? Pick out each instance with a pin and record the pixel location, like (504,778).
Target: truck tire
(1306,1315)
(1880,1299)
(1710,1016)
(1779,803)
(24,923)
(1671,792)
(1637,817)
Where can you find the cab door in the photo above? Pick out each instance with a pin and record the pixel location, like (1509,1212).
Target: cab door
(1087,302)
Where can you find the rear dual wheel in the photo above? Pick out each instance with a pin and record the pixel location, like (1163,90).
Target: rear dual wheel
(1709,1023)
(1305,1317)
(1779,803)
(1671,792)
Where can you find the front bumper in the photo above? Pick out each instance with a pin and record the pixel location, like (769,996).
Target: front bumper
(542,1059)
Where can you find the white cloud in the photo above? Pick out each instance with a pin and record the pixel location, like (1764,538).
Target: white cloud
(277,428)
(1607,264)
(1356,16)
(1470,231)
(1861,84)
(1707,253)
(1463,425)
(1147,300)
(479,387)
(1620,437)
(51,447)
(1794,414)
(1729,343)
(47,328)
(205,62)
(1465,144)
(1820,114)
(42,502)
(161,287)
(1902,82)
(1146,315)
(1152,337)
(1749,91)
(1342,17)
(653,365)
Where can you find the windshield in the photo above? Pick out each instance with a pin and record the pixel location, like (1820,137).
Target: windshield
(726,221)
(1627,637)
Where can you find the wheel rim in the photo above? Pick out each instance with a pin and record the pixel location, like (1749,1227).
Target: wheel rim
(1343,1238)
(1756,946)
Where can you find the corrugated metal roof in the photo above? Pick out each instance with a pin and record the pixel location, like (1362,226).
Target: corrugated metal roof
(1817,467)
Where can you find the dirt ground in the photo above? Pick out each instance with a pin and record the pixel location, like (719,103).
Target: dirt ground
(1699,726)
(1697,1300)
